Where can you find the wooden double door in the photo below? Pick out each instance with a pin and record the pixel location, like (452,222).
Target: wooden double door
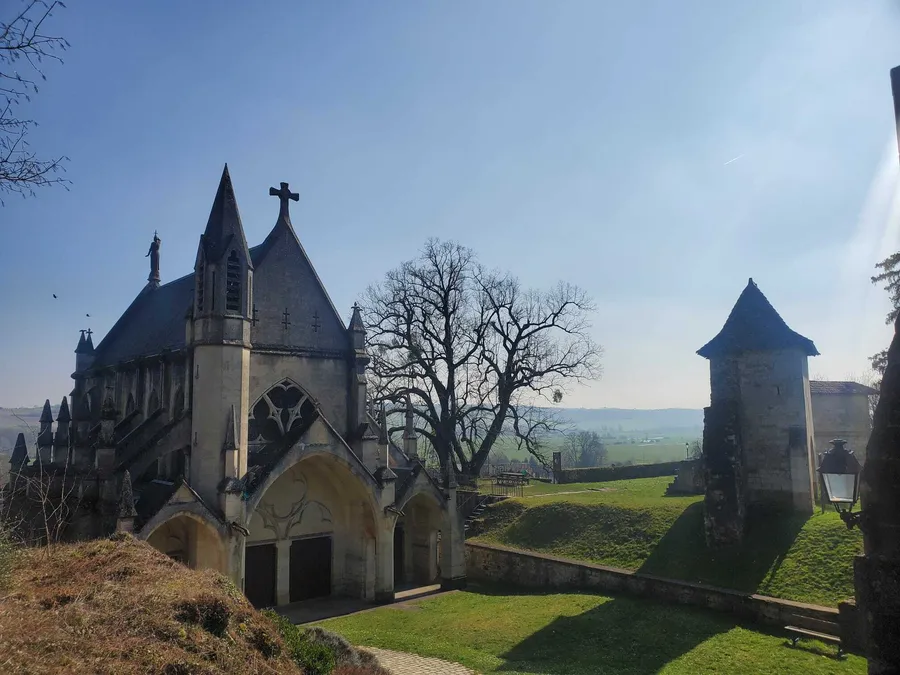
(309,571)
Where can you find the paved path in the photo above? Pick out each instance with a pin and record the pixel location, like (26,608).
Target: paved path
(401,663)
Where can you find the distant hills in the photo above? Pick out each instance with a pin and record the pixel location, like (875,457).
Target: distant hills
(605,421)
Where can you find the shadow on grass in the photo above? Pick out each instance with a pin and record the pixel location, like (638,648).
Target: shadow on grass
(623,636)
(682,552)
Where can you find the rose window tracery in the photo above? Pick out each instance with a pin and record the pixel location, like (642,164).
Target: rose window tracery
(281,412)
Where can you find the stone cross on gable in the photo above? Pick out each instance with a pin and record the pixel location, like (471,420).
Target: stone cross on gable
(284,195)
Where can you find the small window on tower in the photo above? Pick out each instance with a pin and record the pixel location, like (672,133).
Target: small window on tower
(233,283)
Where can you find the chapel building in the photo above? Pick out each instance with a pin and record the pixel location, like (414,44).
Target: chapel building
(224,419)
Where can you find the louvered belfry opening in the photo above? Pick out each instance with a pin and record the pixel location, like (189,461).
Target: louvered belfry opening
(233,283)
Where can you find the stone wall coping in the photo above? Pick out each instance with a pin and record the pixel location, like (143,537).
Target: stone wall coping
(805,608)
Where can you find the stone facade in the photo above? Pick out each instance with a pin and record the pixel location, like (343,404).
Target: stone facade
(223,419)
(758,436)
(842,410)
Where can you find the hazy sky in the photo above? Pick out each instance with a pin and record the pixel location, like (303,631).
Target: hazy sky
(586,141)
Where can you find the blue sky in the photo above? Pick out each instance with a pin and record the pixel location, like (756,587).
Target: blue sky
(584,141)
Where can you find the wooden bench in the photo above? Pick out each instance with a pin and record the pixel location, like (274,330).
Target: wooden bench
(798,633)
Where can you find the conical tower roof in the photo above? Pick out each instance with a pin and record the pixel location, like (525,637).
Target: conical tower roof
(224,230)
(754,325)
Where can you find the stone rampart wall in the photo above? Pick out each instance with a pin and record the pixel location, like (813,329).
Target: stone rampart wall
(499,564)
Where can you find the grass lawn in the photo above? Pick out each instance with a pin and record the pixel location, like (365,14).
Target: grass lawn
(632,525)
(495,631)
(672,450)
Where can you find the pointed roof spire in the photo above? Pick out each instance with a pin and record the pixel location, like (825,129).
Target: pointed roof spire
(64,417)
(46,414)
(231,432)
(223,229)
(356,322)
(20,452)
(85,343)
(754,325)
(126,498)
(82,344)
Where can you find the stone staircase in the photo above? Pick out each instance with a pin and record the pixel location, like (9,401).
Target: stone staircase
(472,524)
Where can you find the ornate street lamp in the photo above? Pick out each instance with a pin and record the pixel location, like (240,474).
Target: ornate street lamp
(840,471)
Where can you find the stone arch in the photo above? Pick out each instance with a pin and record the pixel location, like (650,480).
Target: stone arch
(313,530)
(281,414)
(417,539)
(189,538)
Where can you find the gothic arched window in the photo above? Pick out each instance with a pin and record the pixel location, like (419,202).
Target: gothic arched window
(130,405)
(233,283)
(282,412)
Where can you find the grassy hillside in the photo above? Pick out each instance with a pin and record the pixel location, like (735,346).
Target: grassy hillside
(632,525)
(670,449)
(119,606)
(499,631)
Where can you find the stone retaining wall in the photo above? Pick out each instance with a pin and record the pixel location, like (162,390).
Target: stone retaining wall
(499,564)
(604,473)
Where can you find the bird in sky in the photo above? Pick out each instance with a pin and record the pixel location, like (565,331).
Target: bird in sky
(87,315)
(54,295)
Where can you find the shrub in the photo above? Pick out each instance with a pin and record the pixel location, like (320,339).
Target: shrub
(314,657)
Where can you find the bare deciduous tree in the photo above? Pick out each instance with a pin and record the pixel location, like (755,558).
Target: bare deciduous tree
(24,49)
(584,449)
(477,354)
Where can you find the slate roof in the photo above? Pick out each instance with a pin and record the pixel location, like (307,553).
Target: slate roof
(152,323)
(838,388)
(754,325)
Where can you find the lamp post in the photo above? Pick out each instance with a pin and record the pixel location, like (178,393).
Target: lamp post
(840,472)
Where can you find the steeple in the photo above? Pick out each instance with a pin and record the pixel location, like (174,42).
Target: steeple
(223,267)
(223,229)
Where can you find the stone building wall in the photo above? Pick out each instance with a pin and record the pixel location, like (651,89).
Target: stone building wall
(842,416)
(326,380)
(772,390)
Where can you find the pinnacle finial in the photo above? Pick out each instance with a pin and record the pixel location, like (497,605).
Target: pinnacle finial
(382,423)
(231,432)
(46,413)
(356,322)
(126,498)
(19,456)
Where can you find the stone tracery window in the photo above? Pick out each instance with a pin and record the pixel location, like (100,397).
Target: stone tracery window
(281,412)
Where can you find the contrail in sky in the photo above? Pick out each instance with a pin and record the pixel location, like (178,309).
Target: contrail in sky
(733,160)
